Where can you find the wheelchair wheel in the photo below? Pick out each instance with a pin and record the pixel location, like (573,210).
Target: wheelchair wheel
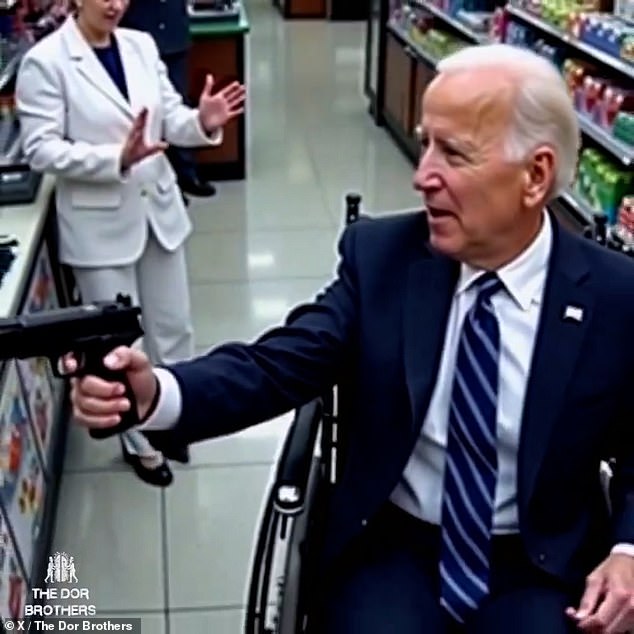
(302,548)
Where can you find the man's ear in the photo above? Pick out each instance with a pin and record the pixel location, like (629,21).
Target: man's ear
(539,175)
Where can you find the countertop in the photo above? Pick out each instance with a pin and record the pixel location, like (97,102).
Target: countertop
(25,222)
(200,28)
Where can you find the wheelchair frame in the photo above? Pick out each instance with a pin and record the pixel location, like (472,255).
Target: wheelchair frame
(307,471)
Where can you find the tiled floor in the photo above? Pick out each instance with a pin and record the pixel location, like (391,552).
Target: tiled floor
(179,558)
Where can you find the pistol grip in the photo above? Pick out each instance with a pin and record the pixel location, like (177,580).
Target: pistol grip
(94,365)
(129,419)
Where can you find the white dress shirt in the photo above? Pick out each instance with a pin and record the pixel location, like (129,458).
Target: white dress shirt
(518,309)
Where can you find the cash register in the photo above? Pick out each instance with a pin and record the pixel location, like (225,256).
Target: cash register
(22,22)
(205,10)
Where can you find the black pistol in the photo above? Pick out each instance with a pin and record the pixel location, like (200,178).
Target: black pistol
(89,332)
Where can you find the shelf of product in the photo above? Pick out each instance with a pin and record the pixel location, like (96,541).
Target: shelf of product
(579,206)
(13,585)
(22,484)
(602,183)
(590,41)
(623,230)
(44,390)
(622,128)
(472,18)
(417,30)
(605,37)
(417,48)
(605,105)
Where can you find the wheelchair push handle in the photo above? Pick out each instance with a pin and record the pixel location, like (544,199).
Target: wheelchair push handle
(353,207)
(297,457)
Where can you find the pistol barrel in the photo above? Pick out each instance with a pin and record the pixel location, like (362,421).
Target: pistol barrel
(53,333)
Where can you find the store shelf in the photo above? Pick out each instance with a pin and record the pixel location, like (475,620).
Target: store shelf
(579,206)
(609,60)
(619,149)
(476,38)
(402,35)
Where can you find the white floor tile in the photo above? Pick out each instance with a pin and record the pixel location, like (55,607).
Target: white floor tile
(260,255)
(111,524)
(212,518)
(207,622)
(243,310)
(84,453)
(258,444)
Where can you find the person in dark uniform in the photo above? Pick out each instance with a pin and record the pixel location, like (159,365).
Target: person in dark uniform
(167,21)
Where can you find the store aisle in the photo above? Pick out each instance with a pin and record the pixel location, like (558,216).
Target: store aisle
(179,559)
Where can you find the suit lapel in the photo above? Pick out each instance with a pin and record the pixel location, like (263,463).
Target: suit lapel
(430,290)
(90,68)
(560,336)
(136,74)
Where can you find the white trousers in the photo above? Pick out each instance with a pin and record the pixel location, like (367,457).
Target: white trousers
(158,282)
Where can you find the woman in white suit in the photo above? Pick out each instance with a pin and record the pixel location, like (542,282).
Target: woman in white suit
(97,110)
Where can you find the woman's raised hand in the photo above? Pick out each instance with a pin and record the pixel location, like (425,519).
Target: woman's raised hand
(136,148)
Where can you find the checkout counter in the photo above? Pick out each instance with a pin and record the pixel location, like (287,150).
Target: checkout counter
(34,408)
(219,47)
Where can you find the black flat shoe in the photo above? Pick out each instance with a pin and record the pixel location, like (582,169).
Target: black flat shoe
(195,186)
(160,476)
(178,454)
(164,443)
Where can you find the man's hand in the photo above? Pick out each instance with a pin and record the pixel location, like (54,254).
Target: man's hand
(135,148)
(216,110)
(98,403)
(607,606)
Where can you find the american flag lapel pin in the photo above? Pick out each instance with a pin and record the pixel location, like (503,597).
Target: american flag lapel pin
(573,313)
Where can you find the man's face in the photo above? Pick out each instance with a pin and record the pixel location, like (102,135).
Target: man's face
(475,197)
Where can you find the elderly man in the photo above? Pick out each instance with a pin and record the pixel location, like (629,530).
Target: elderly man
(487,356)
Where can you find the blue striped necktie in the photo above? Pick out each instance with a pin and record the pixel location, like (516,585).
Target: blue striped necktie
(471,459)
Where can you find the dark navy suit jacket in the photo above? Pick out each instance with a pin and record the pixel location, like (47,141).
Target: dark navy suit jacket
(381,324)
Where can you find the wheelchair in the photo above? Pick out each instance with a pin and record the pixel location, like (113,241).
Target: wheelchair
(290,529)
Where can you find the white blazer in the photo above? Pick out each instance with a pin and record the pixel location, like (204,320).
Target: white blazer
(74,122)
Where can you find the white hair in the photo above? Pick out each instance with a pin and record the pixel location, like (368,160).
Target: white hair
(543,113)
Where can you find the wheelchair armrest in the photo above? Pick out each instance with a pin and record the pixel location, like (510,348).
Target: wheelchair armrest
(294,466)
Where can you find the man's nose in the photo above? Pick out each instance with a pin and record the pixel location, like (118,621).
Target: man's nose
(426,178)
